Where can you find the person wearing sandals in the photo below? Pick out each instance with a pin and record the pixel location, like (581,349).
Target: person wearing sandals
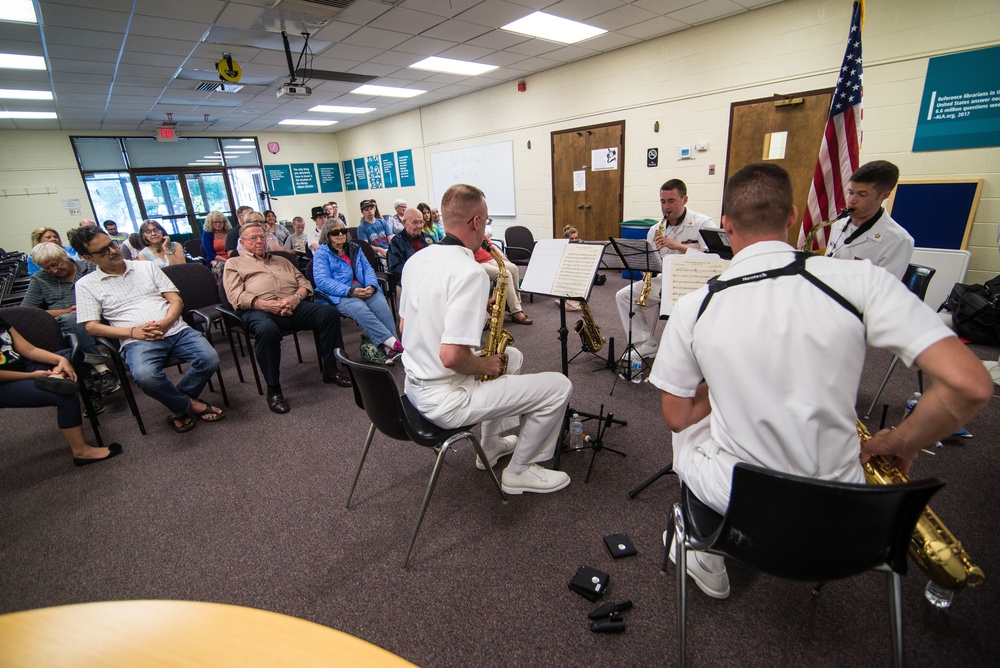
(343,276)
(143,310)
(31,377)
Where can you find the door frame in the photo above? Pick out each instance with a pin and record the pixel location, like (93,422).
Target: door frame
(556,234)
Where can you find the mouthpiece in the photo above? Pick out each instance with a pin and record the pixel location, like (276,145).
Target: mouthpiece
(844,214)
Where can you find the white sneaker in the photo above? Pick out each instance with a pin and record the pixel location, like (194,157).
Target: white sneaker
(705,569)
(535,479)
(505,446)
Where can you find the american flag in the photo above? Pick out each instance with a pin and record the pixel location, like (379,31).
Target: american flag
(838,155)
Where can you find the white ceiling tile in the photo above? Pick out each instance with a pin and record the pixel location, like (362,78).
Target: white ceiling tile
(703,12)
(468,52)
(661,25)
(179,30)
(581,10)
(204,11)
(240,16)
(665,6)
(424,46)
(155,45)
(349,52)
(406,20)
(621,17)
(362,12)
(445,8)
(383,39)
(494,13)
(456,31)
(500,39)
(535,47)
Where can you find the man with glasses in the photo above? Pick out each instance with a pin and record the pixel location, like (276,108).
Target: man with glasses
(409,241)
(143,309)
(269,294)
(442,312)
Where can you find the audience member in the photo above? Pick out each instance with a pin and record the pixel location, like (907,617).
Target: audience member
(296,241)
(319,218)
(213,240)
(257,218)
(279,231)
(395,220)
(407,242)
(429,226)
(373,230)
(111,227)
(233,236)
(157,246)
(269,295)
(46,235)
(143,310)
(333,211)
(513,278)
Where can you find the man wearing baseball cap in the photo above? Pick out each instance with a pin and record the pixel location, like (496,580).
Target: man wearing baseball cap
(373,230)
(312,235)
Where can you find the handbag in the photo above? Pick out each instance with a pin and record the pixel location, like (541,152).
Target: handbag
(371,353)
(975,311)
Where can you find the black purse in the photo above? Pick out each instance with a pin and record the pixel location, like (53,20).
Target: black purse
(975,311)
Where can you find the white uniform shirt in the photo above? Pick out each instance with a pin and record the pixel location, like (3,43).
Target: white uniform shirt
(783,389)
(129,300)
(444,302)
(886,244)
(687,232)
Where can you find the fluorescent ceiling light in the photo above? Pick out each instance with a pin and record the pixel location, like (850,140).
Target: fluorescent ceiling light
(451,66)
(13,94)
(303,121)
(247,139)
(16,61)
(387,91)
(22,11)
(553,28)
(35,115)
(330,109)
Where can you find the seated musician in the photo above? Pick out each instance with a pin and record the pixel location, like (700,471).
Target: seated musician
(677,233)
(759,386)
(441,315)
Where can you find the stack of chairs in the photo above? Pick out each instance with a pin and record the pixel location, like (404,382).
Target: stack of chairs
(13,279)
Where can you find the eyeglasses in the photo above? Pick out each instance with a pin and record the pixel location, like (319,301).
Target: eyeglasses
(103,252)
(488,221)
(253,238)
(339,232)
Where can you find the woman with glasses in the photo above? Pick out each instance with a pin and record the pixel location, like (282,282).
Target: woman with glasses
(213,240)
(157,246)
(344,276)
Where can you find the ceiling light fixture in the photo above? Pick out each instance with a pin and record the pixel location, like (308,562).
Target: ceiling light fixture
(451,66)
(553,28)
(387,91)
(14,94)
(17,61)
(20,11)
(29,115)
(331,109)
(303,121)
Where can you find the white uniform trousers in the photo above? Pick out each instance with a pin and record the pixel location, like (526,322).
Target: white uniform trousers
(641,329)
(539,398)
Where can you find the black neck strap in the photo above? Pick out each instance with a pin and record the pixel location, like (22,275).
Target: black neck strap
(867,225)
(451,240)
(796,267)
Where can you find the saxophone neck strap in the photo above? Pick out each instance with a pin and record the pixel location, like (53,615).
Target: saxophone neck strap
(451,240)
(865,226)
(797,267)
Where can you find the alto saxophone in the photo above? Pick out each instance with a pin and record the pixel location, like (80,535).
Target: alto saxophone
(497,339)
(647,276)
(590,333)
(935,549)
(814,231)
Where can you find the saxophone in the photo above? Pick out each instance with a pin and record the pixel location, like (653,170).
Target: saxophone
(498,338)
(807,243)
(647,276)
(935,549)
(590,333)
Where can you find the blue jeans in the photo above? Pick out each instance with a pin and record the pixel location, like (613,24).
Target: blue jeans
(372,314)
(68,324)
(146,359)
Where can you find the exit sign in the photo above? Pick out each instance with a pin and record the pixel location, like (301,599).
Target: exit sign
(166,134)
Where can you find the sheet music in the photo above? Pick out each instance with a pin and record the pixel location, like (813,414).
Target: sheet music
(543,266)
(686,273)
(562,269)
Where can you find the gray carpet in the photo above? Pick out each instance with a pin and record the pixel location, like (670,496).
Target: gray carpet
(250,511)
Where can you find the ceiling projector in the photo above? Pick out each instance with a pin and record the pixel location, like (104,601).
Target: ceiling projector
(294,90)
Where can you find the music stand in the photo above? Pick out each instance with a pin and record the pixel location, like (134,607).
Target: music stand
(566,271)
(636,255)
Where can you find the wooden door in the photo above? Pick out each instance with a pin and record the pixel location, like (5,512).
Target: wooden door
(802,116)
(589,199)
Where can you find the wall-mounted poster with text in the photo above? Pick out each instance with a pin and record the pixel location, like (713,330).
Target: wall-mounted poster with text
(349,175)
(389,170)
(374,169)
(404,160)
(304,178)
(329,177)
(360,174)
(279,180)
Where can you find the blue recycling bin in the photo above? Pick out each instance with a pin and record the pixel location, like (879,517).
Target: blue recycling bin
(635,229)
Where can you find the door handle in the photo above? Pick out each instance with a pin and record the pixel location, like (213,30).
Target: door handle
(588,206)
(580,207)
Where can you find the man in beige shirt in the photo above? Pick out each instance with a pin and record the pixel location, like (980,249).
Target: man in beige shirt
(268,292)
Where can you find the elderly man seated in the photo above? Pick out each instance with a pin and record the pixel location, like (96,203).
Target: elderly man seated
(52,289)
(409,241)
(144,311)
(269,294)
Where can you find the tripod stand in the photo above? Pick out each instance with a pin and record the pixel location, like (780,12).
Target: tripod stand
(636,255)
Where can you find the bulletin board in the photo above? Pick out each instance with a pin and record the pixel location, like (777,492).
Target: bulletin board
(937,213)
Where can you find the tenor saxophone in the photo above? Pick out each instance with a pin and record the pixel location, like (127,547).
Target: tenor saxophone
(497,339)
(590,334)
(935,549)
(647,276)
(814,231)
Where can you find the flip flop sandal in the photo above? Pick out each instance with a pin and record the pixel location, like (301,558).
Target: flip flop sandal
(180,423)
(210,414)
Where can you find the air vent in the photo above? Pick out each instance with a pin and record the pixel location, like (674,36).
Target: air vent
(216,87)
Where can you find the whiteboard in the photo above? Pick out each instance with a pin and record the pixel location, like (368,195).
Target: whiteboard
(489,167)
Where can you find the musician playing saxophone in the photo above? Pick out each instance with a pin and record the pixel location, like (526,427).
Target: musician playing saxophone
(678,232)
(442,310)
(746,372)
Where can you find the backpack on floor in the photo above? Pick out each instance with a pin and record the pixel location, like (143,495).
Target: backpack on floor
(975,311)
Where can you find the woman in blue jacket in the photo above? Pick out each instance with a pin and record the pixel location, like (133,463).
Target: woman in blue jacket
(343,275)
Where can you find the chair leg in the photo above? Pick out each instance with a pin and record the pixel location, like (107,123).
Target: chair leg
(298,351)
(222,387)
(896,618)
(253,366)
(442,451)
(361,463)
(482,456)
(885,379)
(232,348)
(681,541)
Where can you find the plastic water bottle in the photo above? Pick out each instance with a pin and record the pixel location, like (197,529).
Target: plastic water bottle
(938,596)
(575,432)
(911,403)
(636,369)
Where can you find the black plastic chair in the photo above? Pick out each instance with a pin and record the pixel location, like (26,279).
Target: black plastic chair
(519,244)
(41,330)
(916,279)
(376,393)
(194,250)
(803,529)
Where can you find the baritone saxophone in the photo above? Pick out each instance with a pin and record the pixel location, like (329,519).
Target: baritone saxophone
(497,338)
(647,276)
(935,549)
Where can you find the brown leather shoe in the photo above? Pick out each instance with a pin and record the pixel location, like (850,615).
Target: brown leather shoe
(276,402)
(339,378)
(521,319)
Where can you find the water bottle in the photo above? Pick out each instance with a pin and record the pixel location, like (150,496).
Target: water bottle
(938,596)
(911,403)
(575,432)
(636,369)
